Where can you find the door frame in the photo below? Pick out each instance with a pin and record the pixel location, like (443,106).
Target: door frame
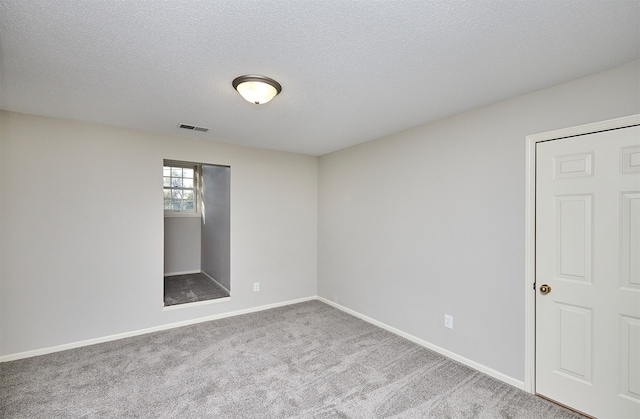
(530,229)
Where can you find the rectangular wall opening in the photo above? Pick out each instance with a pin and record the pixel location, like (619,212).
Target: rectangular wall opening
(196,232)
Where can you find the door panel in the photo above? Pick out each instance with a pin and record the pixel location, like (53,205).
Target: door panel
(630,270)
(630,357)
(588,252)
(573,222)
(575,341)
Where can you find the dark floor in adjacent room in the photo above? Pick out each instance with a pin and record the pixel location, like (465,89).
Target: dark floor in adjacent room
(189,288)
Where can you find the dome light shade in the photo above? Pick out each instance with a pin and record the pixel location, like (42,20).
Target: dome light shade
(256,89)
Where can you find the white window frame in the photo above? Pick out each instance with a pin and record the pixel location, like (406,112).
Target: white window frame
(196,189)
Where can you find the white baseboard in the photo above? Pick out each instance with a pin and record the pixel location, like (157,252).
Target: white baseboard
(72,345)
(473,364)
(215,280)
(182,273)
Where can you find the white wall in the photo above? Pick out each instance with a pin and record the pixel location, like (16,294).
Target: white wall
(182,237)
(431,220)
(82,229)
(216,182)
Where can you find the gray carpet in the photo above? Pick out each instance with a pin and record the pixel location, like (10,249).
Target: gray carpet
(306,360)
(189,288)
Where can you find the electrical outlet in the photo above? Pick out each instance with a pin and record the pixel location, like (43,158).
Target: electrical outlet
(448,321)
(256,286)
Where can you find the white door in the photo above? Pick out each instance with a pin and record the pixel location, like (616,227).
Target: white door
(588,257)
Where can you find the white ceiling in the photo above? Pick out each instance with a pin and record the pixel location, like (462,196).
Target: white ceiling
(351,71)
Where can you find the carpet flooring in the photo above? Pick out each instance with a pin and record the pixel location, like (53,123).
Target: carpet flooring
(189,288)
(306,360)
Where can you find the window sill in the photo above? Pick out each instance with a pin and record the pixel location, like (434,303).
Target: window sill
(182,214)
(196,304)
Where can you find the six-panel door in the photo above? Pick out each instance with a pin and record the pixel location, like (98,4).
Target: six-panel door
(588,253)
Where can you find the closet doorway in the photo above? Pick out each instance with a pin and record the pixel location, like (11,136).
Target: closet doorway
(196,232)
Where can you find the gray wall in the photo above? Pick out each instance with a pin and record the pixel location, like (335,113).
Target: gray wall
(216,223)
(431,220)
(92,266)
(412,226)
(182,237)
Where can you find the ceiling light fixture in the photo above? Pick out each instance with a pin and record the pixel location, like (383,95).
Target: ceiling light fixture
(256,89)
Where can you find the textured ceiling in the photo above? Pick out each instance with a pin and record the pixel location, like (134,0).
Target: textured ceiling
(351,71)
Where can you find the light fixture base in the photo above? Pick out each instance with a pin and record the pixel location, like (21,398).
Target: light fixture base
(257,89)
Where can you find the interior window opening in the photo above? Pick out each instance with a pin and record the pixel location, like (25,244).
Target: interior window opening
(196,204)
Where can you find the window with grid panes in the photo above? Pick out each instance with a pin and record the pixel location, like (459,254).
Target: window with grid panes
(180,189)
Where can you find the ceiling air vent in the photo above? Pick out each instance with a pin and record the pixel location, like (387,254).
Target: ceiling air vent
(193,128)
